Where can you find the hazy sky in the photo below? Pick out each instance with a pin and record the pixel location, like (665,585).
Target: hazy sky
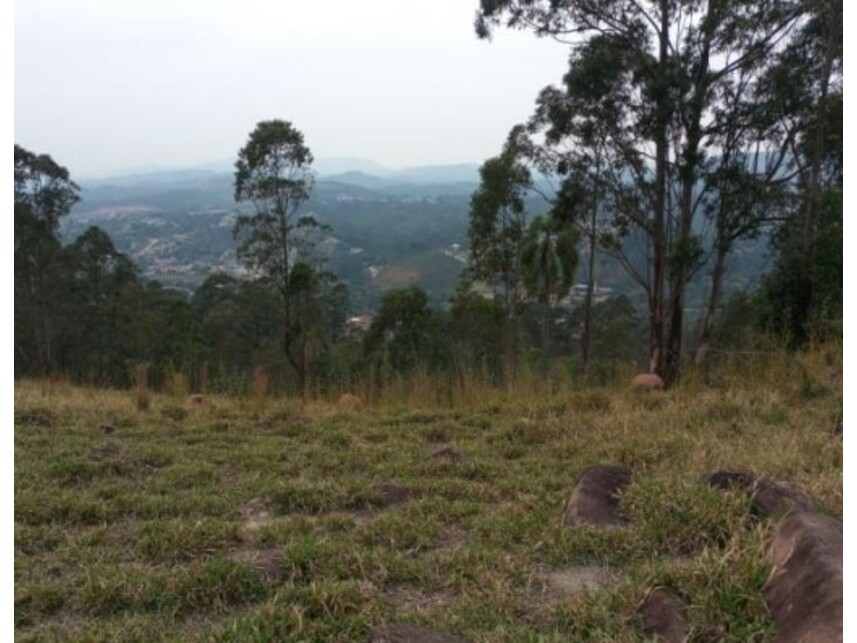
(105,85)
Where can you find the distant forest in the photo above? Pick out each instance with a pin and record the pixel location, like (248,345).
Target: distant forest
(686,146)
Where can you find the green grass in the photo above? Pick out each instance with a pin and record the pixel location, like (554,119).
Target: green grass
(151,532)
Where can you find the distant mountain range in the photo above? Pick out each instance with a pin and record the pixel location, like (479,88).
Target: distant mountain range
(390,228)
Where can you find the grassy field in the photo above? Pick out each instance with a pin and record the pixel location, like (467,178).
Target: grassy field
(243,520)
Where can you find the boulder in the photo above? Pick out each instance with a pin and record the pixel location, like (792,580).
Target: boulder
(647,382)
(804,591)
(349,402)
(772,497)
(664,617)
(403,633)
(595,498)
(768,497)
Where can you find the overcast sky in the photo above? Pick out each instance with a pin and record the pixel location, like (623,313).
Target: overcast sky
(107,85)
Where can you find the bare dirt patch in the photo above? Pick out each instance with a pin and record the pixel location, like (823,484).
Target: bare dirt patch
(579,580)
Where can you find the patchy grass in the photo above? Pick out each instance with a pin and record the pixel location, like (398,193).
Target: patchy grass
(241,521)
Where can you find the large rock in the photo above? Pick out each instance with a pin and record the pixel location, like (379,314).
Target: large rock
(804,590)
(664,617)
(595,499)
(768,497)
(647,382)
(403,633)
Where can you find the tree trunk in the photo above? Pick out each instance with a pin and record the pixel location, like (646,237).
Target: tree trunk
(586,334)
(659,258)
(804,289)
(707,323)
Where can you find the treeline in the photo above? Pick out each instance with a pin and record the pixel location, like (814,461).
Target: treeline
(679,131)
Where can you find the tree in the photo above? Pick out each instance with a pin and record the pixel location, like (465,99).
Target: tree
(44,194)
(273,173)
(549,259)
(673,80)
(103,291)
(400,333)
(496,232)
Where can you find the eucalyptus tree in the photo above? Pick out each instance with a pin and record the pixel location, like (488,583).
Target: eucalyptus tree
(273,173)
(496,233)
(667,81)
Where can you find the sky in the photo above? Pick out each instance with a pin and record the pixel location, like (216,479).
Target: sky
(110,85)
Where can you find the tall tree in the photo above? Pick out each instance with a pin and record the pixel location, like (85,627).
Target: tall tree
(496,232)
(669,71)
(273,174)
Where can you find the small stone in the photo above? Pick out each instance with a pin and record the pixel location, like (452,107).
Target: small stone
(647,382)
(664,617)
(595,498)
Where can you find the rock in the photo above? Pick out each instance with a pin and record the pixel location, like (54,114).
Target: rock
(725,479)
(664,617)
(596,497)
(772,497)
(768,497)
(647,382)
(837,429)
(804,591)
(402,633)
(392,494)
(265,425)
(107,429)
(350,403)
(196,398)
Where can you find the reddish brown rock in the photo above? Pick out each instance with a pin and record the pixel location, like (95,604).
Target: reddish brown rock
(595,499)
(664,617)
(349,402)
(804,591)
(402,633)
(647,382)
